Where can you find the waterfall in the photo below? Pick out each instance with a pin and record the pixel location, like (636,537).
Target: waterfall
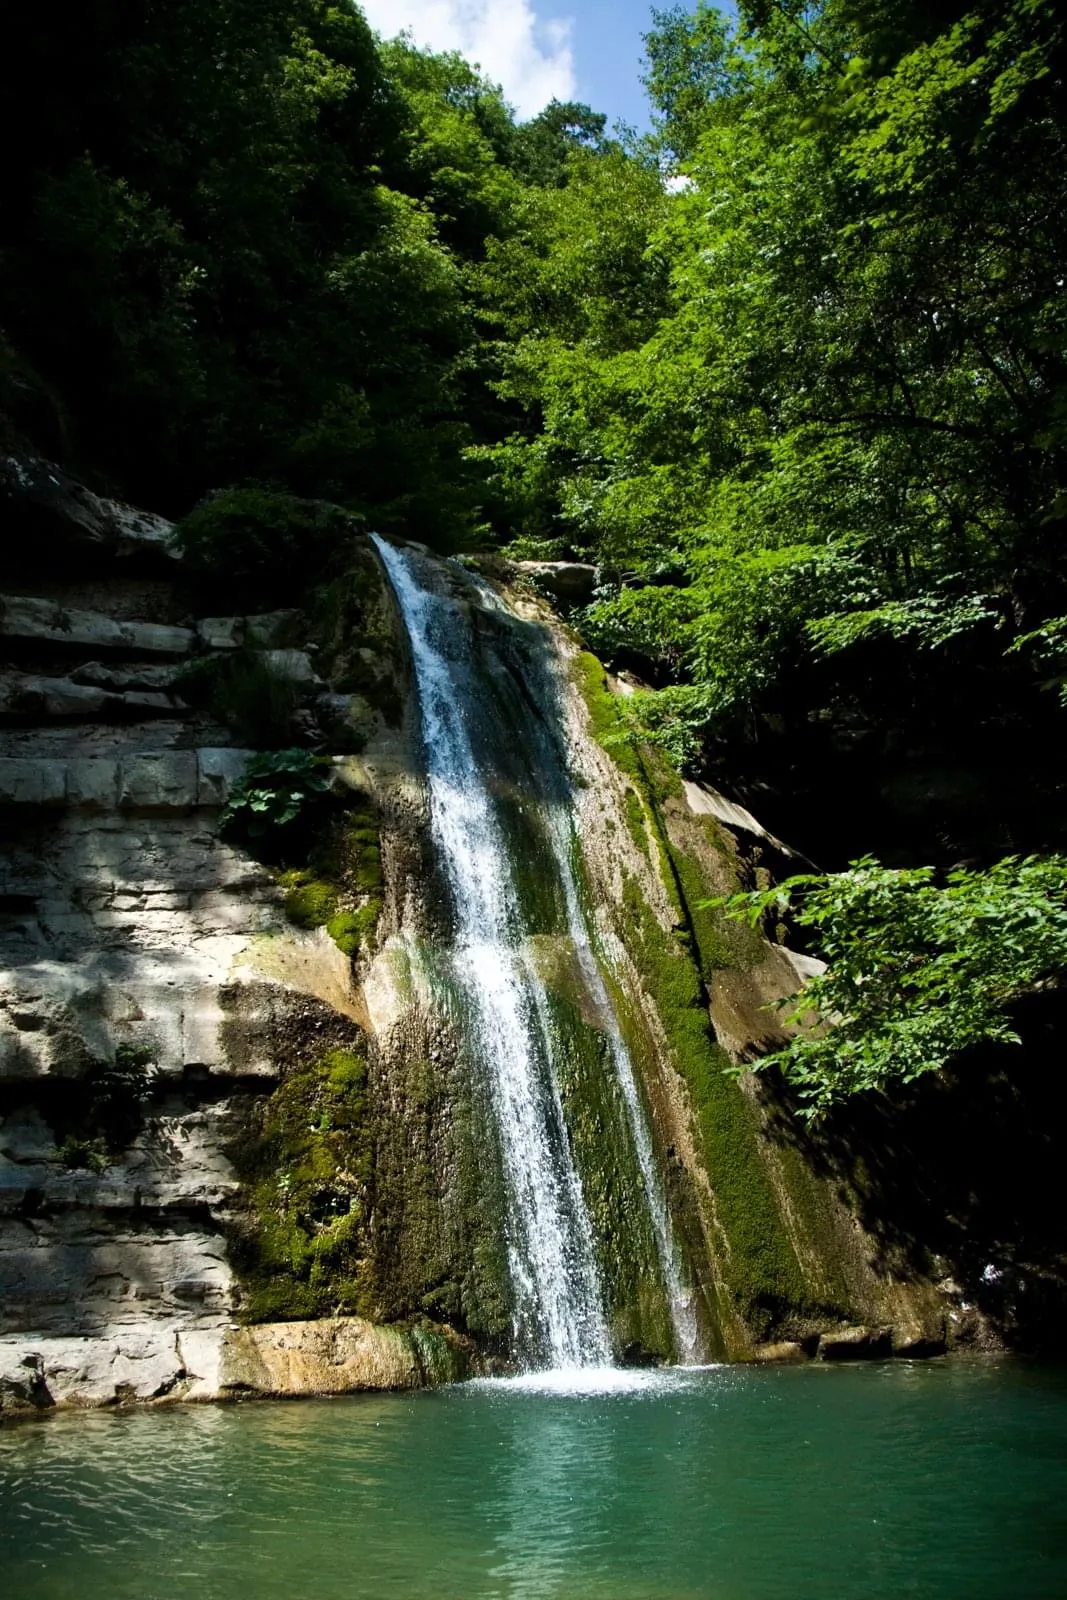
(559,1311)
(679,1290)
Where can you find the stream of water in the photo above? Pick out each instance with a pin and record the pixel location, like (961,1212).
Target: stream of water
(560,1319)
(559,1312)
(937,1481)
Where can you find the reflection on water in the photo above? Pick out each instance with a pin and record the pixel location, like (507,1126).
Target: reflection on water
(938,1480)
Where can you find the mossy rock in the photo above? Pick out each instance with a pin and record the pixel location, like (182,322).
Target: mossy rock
(341,889)
(309,902)
(307,1168)
(766,1283)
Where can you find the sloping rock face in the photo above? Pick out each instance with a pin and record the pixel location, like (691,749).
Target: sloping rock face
(782,1265)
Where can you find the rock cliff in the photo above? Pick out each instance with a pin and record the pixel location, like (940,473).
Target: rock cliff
(238,1149)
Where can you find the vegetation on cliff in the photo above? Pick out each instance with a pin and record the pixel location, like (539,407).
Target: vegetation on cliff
(790,372)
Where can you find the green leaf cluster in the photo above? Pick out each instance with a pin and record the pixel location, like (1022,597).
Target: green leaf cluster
(804,402)
(918,970)
(277,788)
(239,247)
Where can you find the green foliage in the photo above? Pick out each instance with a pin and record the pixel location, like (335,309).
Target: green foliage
(543,145)
(278,787)
(103,1110)
(240,688)
(236,250)
(307,1166)
(1048,645)
(815,399)
(917,971)
(341,890)
(256,545)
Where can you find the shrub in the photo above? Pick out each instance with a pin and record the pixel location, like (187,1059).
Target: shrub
(917,971)
(242,690)
(256,545)
(276,790)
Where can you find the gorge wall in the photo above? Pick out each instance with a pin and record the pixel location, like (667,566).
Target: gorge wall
(242,1146)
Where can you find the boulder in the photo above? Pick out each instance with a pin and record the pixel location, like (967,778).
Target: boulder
(338,1355)
(266,629)
(137,1364)
(219,771)
(294,666)
(570,583)
(783,1351)
(51,514)
(221,633)
(22,1383)
(856,1344)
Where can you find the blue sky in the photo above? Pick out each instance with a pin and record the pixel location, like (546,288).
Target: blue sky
(537,49)
(607,56)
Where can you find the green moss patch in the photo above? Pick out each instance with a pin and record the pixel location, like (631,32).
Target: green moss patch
(765,1281)
(762,1272)
(341,889)
(307,1166)
(310,902)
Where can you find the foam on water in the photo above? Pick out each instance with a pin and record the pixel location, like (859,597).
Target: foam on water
(579,1381)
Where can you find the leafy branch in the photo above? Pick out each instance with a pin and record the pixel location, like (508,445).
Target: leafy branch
(917,971)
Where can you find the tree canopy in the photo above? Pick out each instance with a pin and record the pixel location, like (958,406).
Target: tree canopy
(790,370)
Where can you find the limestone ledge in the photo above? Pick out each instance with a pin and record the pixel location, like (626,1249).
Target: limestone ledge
(146,780)
(151,1364)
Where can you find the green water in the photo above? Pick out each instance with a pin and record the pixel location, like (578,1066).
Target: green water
(899,1480)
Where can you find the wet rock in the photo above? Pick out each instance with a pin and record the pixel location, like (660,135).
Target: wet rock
(917,1344)
(134,1365)
(785,1350)
(338,1355)
(22,1382)
(570,583)
(855,1344)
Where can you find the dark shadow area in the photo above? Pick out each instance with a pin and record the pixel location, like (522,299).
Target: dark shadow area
(947,758)
(961,1176)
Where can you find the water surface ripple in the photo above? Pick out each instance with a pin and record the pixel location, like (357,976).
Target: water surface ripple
(736,1484)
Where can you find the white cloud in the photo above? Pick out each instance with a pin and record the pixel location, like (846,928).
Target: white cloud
(528,55)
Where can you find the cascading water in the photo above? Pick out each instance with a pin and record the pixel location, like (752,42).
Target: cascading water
(559,1314)
(680,1294)
(559,1311)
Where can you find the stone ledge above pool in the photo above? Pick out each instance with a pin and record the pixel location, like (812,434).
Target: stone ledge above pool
(163,1364)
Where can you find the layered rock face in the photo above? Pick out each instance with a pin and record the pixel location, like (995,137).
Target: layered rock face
(242,1149)
(153,989)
